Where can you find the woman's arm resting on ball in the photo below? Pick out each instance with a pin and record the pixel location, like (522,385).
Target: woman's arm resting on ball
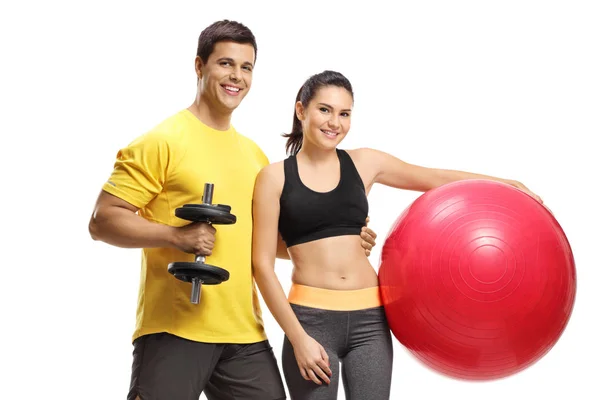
(391,171)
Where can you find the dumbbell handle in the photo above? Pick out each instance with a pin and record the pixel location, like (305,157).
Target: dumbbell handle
(207,196)
(196,288)
(197,283)
(206,199)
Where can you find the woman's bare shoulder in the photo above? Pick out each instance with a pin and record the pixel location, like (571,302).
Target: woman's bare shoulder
(272,175)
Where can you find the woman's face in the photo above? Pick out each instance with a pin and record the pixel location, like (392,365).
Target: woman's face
(326,119)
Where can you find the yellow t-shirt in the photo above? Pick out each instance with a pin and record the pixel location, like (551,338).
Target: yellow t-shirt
(165,169)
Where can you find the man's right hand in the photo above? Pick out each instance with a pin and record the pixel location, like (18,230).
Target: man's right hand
(196,238)
(116,222)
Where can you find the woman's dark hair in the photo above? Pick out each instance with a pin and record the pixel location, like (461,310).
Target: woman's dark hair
(223,31)
(306,93)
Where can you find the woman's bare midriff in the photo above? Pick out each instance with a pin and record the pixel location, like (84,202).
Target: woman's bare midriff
(336,263)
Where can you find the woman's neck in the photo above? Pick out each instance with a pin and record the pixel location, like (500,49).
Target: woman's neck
(316,155)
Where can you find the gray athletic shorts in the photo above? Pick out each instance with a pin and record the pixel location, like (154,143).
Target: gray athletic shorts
(167,367)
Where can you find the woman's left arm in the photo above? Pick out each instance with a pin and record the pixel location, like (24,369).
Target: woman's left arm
(391,171)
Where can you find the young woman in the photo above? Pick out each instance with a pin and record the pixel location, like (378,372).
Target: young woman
(317,200)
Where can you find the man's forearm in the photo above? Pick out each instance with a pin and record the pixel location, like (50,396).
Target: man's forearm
(123,228)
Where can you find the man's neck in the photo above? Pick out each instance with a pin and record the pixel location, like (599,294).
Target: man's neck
(209,116)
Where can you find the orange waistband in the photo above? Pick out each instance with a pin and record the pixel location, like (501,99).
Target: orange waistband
(337,300)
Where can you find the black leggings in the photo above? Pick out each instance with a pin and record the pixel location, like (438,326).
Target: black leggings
(360,340)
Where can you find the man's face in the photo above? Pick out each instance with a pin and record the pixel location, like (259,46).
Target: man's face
(226,77)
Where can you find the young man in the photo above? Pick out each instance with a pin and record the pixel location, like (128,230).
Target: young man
(217,346)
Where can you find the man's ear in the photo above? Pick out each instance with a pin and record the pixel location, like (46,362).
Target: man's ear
(199,66)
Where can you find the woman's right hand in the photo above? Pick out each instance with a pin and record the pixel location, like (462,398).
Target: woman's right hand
(312,360)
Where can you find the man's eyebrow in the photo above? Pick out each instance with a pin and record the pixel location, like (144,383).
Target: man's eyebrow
(231,60)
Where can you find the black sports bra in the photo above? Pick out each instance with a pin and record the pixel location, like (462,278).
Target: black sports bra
(306,215)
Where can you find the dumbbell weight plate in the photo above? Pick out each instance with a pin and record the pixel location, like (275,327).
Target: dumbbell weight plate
(208,274)
(223,207)
(214,213)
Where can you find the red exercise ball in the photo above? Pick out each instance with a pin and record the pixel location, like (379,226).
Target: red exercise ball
(477,279)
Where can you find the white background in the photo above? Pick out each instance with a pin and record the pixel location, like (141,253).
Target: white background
(508,88)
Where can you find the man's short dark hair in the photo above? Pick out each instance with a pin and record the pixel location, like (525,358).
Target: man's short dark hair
(224,31)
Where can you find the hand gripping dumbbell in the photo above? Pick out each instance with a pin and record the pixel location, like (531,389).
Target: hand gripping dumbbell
(197,272)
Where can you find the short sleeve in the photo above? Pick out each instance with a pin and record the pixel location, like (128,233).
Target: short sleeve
(140,170)
(260,156)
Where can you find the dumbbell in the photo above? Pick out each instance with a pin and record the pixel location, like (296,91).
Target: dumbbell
(198,272)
